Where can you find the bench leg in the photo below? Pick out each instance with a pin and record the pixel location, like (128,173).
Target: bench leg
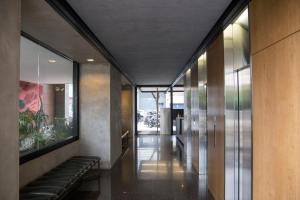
(99,183)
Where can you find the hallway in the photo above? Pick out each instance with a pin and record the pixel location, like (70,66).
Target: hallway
(150,100)
(155,169)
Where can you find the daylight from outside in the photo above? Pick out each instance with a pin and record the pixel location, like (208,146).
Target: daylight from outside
(151,101)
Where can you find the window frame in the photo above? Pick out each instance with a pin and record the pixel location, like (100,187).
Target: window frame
(76,70)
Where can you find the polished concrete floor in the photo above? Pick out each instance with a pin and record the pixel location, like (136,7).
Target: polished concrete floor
(153,168)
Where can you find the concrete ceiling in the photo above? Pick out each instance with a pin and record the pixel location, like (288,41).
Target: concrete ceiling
(43,23)
(151,39)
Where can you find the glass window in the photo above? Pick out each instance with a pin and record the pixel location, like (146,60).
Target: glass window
(150,101)
(178,107)
(46,99)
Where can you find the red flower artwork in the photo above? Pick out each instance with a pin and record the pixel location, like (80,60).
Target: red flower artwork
(30,96)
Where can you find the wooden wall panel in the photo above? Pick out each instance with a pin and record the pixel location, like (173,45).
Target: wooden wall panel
(276,121)
(215,108)
(272,20)
(127,110)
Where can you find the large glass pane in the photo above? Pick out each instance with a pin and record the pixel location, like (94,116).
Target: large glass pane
(152,102)
(46,107)
(178,107)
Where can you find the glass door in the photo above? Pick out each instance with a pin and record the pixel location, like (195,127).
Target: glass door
(153,107)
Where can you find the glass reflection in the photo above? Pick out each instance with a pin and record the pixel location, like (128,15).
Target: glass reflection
(238,109)
(153,169)
(154,161)
(45,98)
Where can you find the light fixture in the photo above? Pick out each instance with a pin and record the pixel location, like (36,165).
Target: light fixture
(90,60)
(243,18)
(52,61)
(227,33)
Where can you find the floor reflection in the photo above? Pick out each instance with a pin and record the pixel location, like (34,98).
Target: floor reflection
(155,161)
(153,168)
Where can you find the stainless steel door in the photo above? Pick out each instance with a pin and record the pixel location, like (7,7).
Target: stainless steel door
(202,80)
(198,115)
(231,136)
(195,117)
(187,133)
(245,130)
(238,126)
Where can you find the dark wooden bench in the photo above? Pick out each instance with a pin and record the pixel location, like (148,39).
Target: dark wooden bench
(62,180)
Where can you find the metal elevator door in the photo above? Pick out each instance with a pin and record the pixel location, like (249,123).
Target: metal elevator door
(238,123)
(244,133)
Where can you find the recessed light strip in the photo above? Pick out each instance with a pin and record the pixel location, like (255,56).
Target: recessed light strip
(90,60)
(52,61)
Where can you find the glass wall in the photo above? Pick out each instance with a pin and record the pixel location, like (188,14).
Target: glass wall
(46,99)
(150,103)
(178,107)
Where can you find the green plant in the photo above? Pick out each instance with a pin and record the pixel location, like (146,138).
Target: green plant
(34,126)
(40,119)
(62,128)
(31,126)
(39,140)
(26,123)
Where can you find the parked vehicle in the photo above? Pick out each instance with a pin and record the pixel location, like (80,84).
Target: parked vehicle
(140,117)
(151,119)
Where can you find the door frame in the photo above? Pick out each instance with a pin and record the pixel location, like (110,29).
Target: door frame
(136,104)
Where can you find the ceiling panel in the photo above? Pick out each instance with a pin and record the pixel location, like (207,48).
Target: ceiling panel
(151,40)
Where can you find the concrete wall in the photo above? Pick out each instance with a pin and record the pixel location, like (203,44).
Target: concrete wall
(165,121)
(9,84)
(100,118)
(95,111)
(127,109)
(115,115)
(37,167)
(100,124)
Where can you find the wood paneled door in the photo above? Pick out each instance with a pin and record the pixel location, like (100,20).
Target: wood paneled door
(215,117)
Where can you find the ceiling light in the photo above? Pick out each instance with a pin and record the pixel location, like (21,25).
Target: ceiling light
(243,18)
(52,61)
(90,60)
